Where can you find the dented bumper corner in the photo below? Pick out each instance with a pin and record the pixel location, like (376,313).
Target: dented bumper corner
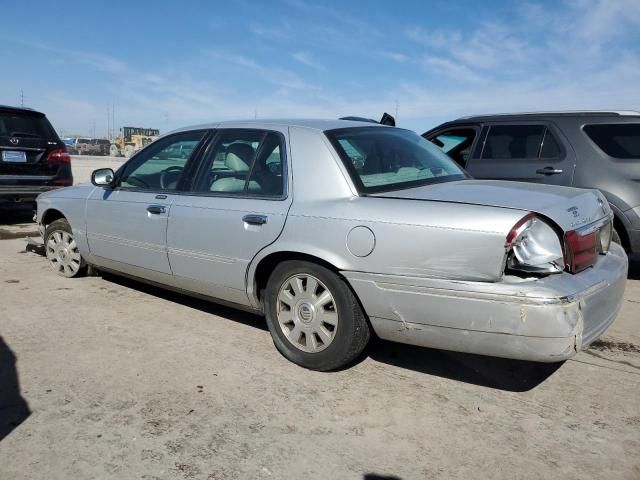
(543,319)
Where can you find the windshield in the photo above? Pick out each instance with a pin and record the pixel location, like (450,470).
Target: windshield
(382,159)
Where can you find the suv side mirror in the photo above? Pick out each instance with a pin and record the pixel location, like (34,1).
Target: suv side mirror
(103,177)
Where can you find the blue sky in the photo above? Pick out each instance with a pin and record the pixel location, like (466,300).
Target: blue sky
(170,64)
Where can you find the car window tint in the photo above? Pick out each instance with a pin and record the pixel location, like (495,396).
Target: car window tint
(243,162)
(25,125)
(513,141)
(620,140)
(160,166)
(550,147)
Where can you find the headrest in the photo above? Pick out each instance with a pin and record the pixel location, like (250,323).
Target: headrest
(239,157)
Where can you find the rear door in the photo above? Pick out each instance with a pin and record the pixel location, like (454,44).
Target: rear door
(127,225)
(26,138)
(526,151)
(237,205)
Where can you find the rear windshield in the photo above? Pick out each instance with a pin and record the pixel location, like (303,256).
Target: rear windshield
(381,159)
(618,140)
(25,125)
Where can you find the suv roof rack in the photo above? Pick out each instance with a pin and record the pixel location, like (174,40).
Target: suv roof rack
(559,113)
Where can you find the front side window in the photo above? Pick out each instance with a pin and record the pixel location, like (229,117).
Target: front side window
(243,162)
(160,166)
(456,143)
(383,159)
(621,140)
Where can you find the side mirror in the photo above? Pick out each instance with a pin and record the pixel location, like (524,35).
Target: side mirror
(103,177)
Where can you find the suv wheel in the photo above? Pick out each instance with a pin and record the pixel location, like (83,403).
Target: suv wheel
(62,250)
(314,318)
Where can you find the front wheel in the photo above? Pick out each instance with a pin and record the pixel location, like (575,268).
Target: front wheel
(314,318)
(62,250)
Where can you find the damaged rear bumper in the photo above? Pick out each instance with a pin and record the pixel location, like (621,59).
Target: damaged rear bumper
(545,319)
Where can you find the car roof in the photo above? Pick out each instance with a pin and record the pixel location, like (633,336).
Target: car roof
(310,123)
(568,113)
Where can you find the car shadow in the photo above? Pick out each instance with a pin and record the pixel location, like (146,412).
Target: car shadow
(202,305)
(375,476)
(13,408)
(499,373)
(16,213)
(492,372)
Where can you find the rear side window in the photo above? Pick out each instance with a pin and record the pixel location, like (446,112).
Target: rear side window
(621,140)
(520,142)
(25,125)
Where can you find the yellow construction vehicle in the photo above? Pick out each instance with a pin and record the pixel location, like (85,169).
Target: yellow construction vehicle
(132,139)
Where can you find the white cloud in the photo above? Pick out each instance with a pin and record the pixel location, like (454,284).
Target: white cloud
(306,58)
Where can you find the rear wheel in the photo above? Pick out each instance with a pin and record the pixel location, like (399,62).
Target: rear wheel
(62,250)
(314,318)
(114,151)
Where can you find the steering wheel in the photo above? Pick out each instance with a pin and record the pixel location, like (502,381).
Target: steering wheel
(163,175)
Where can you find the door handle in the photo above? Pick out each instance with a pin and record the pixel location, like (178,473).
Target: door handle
(156,209)
(549,171)
(253,219)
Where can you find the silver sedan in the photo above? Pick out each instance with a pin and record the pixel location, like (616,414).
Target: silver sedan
(338,229)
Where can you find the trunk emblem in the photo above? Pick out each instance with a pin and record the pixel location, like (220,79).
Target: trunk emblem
(14,140)
(574,211)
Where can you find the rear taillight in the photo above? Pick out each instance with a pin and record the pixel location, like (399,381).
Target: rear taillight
(582,246)
(580,250)
(58,155)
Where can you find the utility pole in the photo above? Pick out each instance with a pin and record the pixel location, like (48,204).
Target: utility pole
(113,119)
(108,122)
(22,98)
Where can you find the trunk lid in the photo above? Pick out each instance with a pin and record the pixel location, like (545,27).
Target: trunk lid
(570,208)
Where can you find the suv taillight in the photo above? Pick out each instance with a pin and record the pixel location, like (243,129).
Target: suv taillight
(58,155)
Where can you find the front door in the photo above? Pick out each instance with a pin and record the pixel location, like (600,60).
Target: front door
(127,225)
(237,205)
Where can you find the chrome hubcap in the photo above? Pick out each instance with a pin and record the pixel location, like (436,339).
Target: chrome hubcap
(307,313)
(63,254)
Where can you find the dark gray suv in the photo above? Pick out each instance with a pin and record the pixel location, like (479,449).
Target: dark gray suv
(580,149)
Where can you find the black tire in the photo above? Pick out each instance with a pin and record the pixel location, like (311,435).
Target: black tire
(352,332)
(61,225)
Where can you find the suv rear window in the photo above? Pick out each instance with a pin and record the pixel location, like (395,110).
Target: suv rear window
(618,140)
(25,125)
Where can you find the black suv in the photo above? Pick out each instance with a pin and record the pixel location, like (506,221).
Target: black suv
(33,159)
(579,149)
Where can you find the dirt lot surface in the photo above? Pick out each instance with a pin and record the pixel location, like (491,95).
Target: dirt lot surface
(107,378)
(83,165)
